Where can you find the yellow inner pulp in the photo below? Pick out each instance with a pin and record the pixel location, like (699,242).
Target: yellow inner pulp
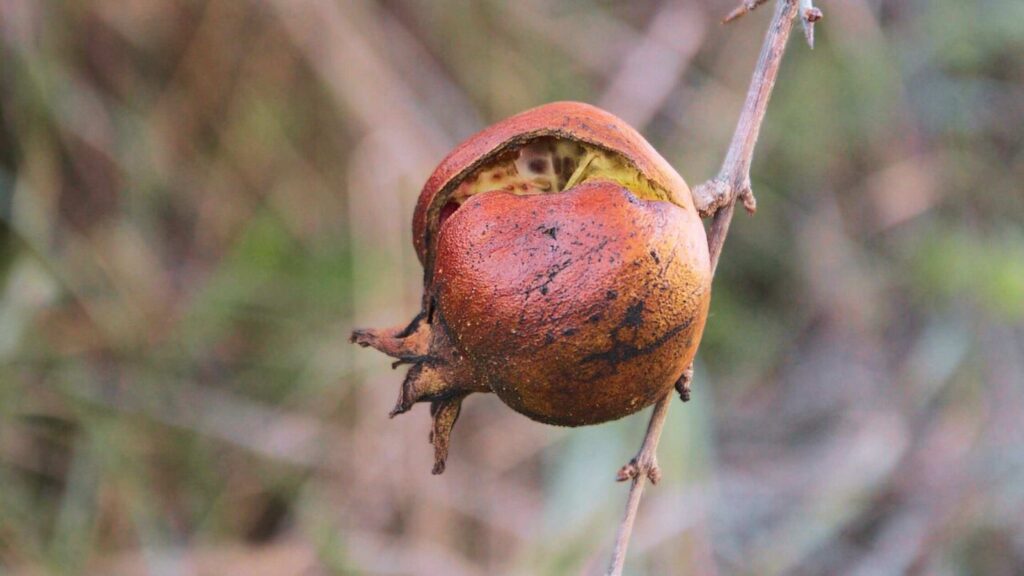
(552,165)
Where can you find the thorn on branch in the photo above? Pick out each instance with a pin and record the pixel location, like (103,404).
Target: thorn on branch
(809,14)
(746,195)
(745,7)
(683,384)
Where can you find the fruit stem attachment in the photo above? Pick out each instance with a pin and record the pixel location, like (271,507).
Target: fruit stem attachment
(716,198)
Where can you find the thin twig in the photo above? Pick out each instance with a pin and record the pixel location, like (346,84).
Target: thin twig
(643,466)
(743,9)
(716,198)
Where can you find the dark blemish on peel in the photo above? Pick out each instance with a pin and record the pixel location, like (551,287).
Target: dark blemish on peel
(623,352)
(634,315)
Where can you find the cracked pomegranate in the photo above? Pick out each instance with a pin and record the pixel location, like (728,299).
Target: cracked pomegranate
(565,269)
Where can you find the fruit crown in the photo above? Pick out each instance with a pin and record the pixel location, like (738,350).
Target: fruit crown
(544,150)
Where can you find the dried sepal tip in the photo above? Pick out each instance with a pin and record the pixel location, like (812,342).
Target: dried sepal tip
(433,376)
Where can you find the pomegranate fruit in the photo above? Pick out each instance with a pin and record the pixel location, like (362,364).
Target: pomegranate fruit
(565,269)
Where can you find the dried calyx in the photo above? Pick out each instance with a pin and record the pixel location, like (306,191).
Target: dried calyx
(565,270)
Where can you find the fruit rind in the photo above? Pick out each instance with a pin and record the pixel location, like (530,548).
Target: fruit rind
(578,298)
(576,308)
(574,121)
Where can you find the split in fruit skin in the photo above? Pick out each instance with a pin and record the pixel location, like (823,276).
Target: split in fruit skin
(547,165)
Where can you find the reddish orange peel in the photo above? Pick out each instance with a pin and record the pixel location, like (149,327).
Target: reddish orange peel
(565,269)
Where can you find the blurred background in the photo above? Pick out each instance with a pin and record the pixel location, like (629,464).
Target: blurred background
(200,199)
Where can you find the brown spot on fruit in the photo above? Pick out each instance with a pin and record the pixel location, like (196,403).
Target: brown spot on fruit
(634,315)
